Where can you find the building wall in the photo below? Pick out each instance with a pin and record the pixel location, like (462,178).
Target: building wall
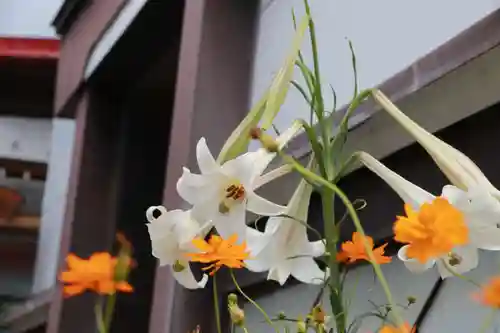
(54,203)
(28,18)
(387,35)
(25,139)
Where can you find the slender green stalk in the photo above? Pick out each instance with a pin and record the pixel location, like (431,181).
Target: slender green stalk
(216,305)
(257,306)
(101,327)
(245,330)
(458,275)
(108,313)
(352,212)
(327,199)
(488,321)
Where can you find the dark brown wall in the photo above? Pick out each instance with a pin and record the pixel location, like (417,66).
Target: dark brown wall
(127,106)
(123,127)
(212,96)
(76,45)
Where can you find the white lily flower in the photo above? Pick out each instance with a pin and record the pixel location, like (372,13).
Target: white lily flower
(171,235)
(222,193)
(458,168)
(480,210)
(284,249)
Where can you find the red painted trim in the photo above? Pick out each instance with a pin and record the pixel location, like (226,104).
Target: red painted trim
(29,48)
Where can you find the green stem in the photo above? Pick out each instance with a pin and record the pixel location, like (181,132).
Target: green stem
(488,321)
(327,199)
(257,306)
(101,327)
(354,216)
(216,305)
(108,313)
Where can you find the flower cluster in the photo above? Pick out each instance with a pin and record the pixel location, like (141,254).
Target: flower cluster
(446,230)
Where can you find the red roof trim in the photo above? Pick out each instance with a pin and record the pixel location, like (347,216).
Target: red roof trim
(29,48)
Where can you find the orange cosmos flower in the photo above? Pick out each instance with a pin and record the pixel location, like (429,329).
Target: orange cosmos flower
(490,293)
(96,273)
(220,252)
(401,329)
(431,232)
(355,250)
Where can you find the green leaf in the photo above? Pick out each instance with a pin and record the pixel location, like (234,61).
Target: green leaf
(281,83)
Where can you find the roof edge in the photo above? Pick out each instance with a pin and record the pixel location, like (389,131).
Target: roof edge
(471,43)
(68,13)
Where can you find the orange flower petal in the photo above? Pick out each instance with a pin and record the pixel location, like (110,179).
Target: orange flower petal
(73,290)
(431,232)
(220,252)
(401,329)
(124,287)
(74,262)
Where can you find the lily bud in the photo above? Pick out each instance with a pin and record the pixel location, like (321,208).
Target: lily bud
(267,141)
(232,298)
(457,167)
(236,314)
(124,261)
(411,300)
(267,108)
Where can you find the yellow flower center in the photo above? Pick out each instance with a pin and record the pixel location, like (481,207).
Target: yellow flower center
(233,193)
(433,231)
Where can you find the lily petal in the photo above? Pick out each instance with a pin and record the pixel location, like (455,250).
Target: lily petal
(232,223)
(195,188)
(458,168)
(204,157)
(409,192)
(280,273)
(413,265)
(256,241)
(306,270)
(482,215)
(261,206)
(317,248)
(468,257)
(186,277)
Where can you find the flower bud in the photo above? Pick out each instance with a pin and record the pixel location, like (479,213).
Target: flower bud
(411,300)
(267,141)
(318,315)
(232,298)
(236,314)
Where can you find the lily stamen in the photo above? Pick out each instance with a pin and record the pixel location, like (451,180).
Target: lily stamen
(235,192)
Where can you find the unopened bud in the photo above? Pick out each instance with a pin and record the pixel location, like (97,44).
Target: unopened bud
(281,316)
(255,133)
(236,314)
(301,326)
(318,315)
(232,298)
(267,141)
(178,267)
(411,300)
